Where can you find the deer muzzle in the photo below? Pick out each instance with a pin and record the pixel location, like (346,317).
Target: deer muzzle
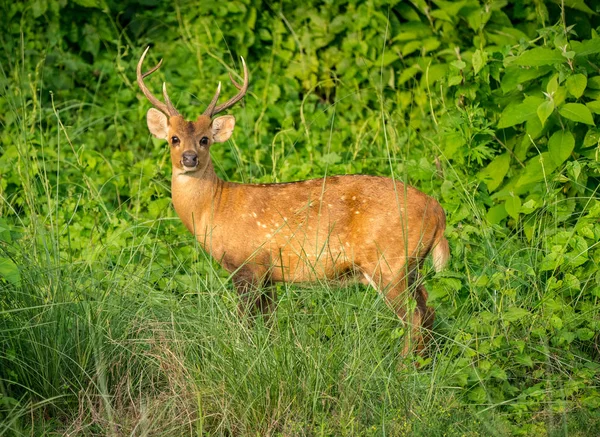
(189,159)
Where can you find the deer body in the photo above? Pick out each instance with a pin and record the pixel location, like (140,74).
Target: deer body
(375,229)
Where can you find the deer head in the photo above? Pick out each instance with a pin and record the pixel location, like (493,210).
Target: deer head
(189,140)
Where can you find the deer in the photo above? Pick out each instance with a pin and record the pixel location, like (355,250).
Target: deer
(372,229)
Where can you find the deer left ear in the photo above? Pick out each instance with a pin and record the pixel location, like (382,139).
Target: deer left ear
(222,128)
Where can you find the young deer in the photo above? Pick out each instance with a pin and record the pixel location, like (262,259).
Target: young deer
(373,228)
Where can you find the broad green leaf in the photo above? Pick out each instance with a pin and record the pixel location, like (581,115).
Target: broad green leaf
(576,84)
(495,171)
(515,313)
(585,334)
(560,146)
(517,114)
(537,169)
(551,261)
(9,271)
(477,395)
(479,60)
(407,74)
(515,76)
(545,110)
(552,84)
(496,214)
(576,4)
(592,138)
(524,359)
(577,112)
(594,82)
(585,48)
(594,106)
(539,56)
(513,206)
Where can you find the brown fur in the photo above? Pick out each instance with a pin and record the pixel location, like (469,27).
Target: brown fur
(373,228)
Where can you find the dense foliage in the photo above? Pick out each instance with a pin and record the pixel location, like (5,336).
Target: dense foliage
(112,320)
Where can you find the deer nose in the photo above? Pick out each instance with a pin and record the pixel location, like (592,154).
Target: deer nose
(189,159)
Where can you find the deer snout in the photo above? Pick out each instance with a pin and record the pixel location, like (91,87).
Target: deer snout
(189,159)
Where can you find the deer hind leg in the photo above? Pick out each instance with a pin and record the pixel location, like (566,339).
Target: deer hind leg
(396,289)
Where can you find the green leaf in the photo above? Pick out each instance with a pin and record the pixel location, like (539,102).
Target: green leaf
(594,106)
(494,173)
(513,206)
(9,271)
(514,314)
(496,214)
(552,84)
(536,169)
(515,76)
(576,4)
(585,48)
(592,138)
(519,113)
(560,146)
(477,395)
(576,84)
(524,359)
(585,334)
(545,110)
(577,112)
(539,56)
(479,60)
(594,82)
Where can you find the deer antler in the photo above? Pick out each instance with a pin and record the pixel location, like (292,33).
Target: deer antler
(213,109)
(167,108)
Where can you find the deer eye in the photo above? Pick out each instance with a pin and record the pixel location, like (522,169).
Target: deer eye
(204,141)
(175,140)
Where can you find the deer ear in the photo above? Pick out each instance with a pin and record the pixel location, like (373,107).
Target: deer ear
(157,123)
(222,128)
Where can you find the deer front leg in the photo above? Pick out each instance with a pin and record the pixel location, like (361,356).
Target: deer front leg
(247,283)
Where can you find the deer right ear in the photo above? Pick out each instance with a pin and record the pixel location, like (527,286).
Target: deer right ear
(157,123)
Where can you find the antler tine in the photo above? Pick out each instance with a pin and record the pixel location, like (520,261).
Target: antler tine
(243,88)
(170,107)
(165,108)
(237,85)
(210,110)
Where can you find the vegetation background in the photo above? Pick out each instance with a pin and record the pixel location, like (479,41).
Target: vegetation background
(114,322)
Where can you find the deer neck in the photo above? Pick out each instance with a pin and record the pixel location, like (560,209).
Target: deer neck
(196,197)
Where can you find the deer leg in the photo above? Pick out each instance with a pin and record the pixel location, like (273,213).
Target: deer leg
(394,288)
(267,300)
(428,313)
(247,284)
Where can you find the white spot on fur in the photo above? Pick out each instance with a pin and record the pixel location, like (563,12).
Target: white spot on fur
(343,197)
(254,214)
(353,197)
(357,212)
(258,223)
